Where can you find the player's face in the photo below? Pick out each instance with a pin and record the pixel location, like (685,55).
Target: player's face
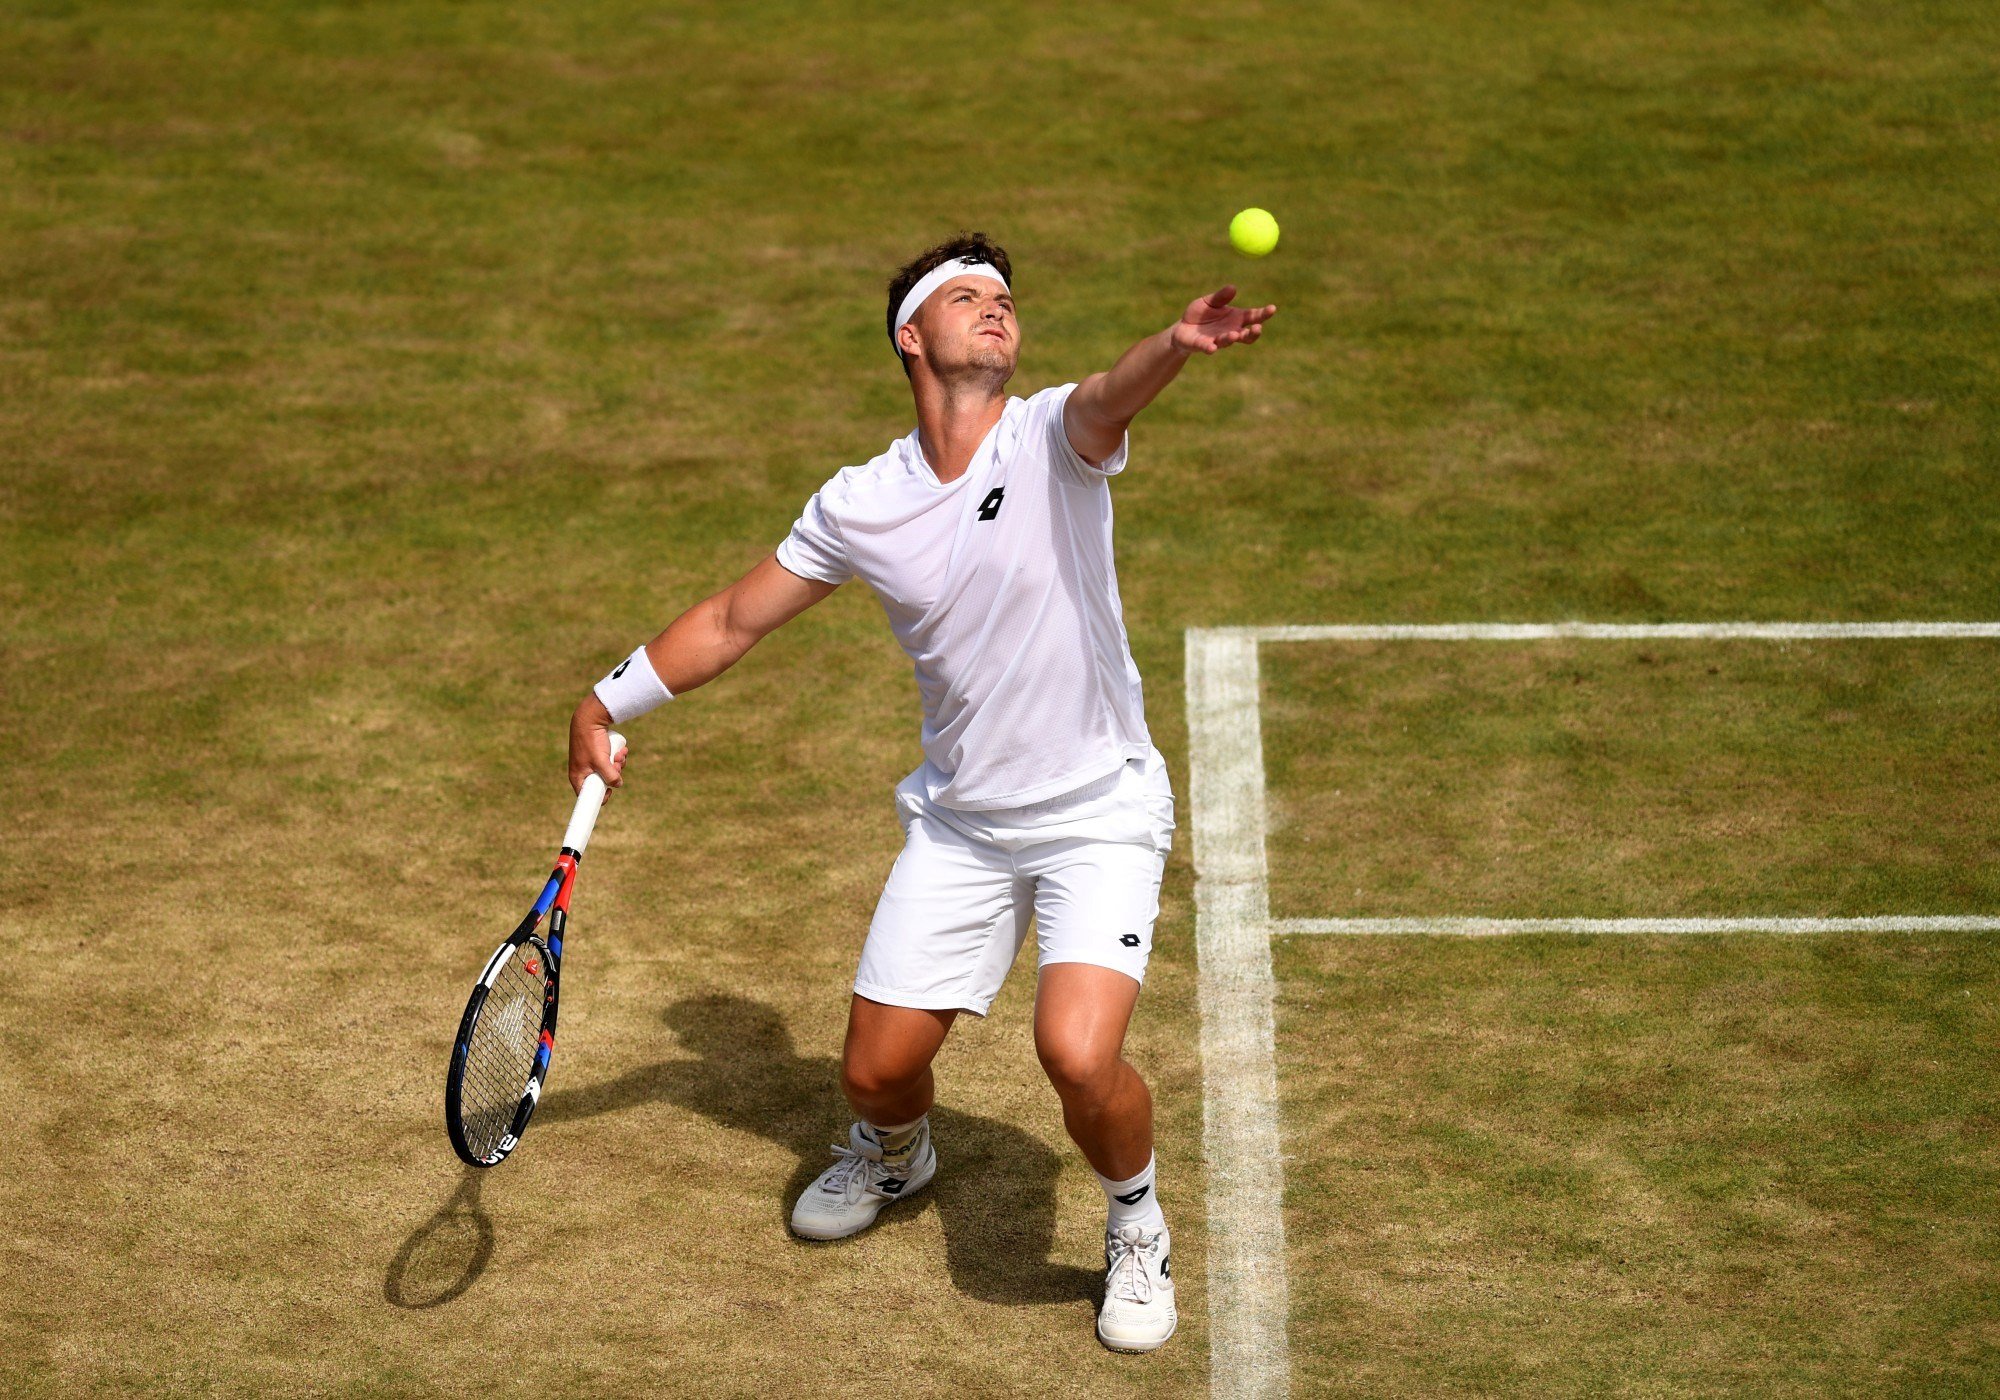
(969,322)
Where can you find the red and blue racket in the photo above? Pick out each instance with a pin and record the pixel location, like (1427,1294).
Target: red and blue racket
(501,1057)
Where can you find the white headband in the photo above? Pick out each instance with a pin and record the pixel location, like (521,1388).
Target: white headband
(937,277)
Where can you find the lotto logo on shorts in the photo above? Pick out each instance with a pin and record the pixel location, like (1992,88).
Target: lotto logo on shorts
(1130,940)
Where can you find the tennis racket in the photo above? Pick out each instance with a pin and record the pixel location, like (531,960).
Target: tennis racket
(508,1032)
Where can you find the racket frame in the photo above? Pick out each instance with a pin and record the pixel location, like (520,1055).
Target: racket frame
(552,904)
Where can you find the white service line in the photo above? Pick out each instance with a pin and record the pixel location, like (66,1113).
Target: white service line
(1247,1293)
(1616,631)
(1494,928)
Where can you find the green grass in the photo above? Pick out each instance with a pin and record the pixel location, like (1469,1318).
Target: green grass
(373,374)
(1641,1167)
(1607,779)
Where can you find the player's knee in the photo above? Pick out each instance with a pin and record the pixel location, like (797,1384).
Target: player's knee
(1077,1069)
(866,1078)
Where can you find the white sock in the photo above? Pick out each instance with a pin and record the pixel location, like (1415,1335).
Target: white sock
(1134,1201)
(897,1142)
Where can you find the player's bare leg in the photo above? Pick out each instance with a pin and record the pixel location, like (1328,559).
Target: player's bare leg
(885,1067)
(1081,1012)
(1081,1015)
(885,1071)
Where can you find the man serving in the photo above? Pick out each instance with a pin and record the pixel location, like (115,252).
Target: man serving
(986,534)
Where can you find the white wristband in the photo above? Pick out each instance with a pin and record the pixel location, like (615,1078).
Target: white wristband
(632,688)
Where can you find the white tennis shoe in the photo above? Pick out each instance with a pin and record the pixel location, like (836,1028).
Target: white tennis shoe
(849,1194)
(1138,1312)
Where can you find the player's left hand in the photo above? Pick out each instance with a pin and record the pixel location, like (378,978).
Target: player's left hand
(1210,323)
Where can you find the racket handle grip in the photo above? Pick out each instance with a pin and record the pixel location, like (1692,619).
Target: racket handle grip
(589,802)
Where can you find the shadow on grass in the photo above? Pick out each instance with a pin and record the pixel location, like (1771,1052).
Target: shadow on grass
(994,1192)
(446,1254)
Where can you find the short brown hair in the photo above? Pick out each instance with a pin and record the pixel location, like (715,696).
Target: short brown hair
(961,245)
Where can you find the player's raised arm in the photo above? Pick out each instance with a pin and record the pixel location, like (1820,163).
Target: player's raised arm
(1103,406)
(697,646)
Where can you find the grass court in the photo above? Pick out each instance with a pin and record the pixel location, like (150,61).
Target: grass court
(374,375)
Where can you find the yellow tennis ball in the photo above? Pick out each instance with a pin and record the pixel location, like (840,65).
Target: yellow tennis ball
(1253,233)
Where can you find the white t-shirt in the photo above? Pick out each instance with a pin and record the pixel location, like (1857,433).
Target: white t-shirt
(1000,585)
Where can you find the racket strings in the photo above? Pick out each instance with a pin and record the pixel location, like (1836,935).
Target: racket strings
(501,1056)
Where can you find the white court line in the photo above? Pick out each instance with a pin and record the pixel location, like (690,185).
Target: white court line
(1248,1303)
(1618,631)
(1491,928)
(1247,1296)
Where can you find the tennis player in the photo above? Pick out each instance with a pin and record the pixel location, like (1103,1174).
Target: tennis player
(986,535)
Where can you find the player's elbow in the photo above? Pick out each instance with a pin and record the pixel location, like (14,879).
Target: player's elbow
(736,624)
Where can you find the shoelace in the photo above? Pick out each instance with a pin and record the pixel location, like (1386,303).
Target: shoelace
(1130,1278)
(851,1167)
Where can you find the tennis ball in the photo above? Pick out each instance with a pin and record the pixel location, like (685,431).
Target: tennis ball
(1253,233)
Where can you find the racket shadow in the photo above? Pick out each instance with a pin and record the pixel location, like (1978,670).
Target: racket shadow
(995,1196)
(446,1254)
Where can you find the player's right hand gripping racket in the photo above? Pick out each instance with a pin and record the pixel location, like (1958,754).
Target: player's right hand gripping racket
(508,1031)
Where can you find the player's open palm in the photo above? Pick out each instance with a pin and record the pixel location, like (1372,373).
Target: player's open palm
(1210,322)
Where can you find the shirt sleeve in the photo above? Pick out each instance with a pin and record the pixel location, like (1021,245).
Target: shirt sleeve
(814,548)
(1065,456)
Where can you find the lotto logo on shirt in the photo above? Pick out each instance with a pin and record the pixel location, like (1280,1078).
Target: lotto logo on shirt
(1003,574)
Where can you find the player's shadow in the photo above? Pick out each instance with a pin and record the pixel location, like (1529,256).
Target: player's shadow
(446,1254)
(994,1194)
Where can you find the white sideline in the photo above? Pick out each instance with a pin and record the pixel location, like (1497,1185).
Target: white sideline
(1247,1293)
(1490,928)
(1247,1296)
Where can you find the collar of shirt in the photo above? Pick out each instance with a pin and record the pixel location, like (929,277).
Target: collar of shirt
(998,438)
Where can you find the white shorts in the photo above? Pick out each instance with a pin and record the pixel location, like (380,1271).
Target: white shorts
(955,911)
